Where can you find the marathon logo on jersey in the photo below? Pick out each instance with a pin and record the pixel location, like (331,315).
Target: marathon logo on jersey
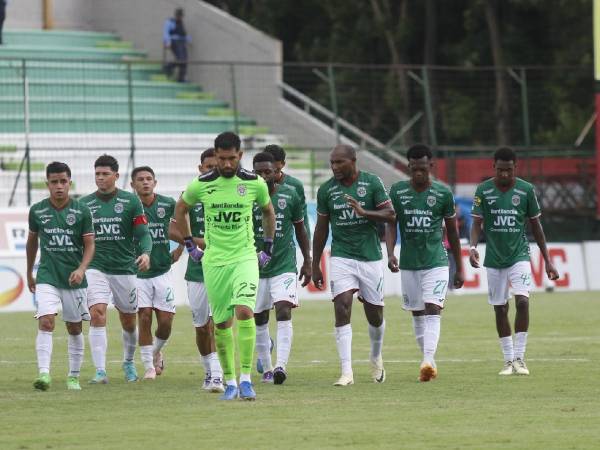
(477,201)
(70,219)
(241,189)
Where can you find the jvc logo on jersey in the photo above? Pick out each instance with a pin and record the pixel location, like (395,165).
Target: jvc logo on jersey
(419,222)
(108,228)
(60,240)
(157,233)
(504,221)
(229,216)
(348,214)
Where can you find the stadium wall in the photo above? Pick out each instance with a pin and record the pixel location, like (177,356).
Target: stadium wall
(68,14)
(576,263)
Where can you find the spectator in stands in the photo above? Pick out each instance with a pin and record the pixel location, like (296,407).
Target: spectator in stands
(175,37)
(2,16)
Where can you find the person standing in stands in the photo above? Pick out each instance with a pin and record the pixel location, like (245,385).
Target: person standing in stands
(175,37)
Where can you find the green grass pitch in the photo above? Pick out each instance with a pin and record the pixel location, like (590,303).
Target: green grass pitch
(468,407)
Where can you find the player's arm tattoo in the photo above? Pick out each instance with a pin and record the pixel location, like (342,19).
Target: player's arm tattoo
(268,220)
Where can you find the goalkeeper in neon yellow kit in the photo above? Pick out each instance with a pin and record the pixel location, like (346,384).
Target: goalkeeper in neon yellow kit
(230,261)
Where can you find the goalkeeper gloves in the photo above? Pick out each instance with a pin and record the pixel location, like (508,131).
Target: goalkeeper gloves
(193,251)
(265,255)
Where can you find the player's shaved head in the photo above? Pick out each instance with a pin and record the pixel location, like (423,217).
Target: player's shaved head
(344,151)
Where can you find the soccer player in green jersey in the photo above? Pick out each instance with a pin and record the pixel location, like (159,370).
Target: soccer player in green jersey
(287,179)
(503,205)
(65,232)
(155,286)
(353,201)
(421,206)
(118,219)
(196,290)
(230,264)
(277,284)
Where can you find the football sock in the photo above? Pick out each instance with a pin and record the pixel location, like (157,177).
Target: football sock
(520,344)
(431,337)
(225,350)
(75,348)
(343,340)
(206,363)
(147,357)
(158,344)
(285,332)
(506,344)
(376,336)
(246,343)
(419,328)
(263,346)
(98,344)
(214,366)
(43,348)
(129,344)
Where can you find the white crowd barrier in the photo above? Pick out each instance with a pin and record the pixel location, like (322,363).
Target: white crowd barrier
(577,264)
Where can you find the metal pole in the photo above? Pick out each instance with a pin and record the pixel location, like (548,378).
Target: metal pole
(26,115)
(131,161)
(236,124)
(525,107)
(334,104)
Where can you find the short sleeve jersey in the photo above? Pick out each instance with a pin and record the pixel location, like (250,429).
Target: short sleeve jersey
(353,237)
(61,240)
(159,215)
(114,220)
(194,269)
(504,221)
(228,204)
(419,216)
(296,184)
(288,210)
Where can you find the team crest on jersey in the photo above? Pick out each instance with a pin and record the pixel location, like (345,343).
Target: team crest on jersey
(241,188)
(431,201)
(281,203)
(160,212)
(70,219)
(361,191)
(516,200)
(119,208)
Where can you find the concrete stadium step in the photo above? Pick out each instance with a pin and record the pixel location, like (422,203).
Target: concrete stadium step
(58,105)
(66,70)
(119,123)
(65,53)
(65,38)
(96,88)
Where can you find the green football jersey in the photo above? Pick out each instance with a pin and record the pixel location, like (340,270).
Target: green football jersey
(61,240)
(352,236)
(159,215)
(288,210)
(297,185)
(419,216)
(504,221)
(228,204)
(194,269)
(114,220)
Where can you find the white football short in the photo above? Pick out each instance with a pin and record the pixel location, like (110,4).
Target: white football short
(157,292)
(198,303)
(366,277)
(103,287)
(49,300)
(280,288)
(516,278)
(424,286)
